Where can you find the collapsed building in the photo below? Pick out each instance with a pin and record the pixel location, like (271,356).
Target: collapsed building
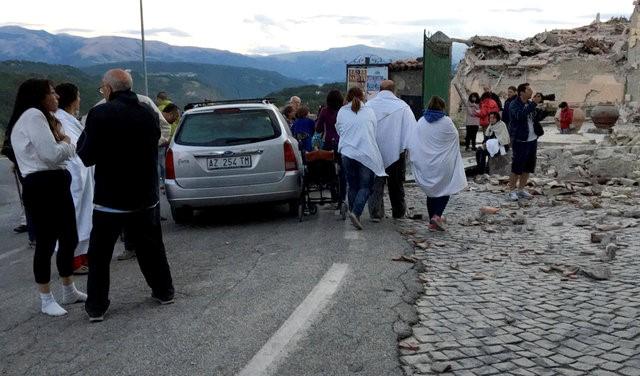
(583,66)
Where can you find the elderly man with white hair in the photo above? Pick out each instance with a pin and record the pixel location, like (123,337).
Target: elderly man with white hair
(395,121)
(121,140)
(295,102)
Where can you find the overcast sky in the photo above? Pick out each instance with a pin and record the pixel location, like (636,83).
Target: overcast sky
(265,27)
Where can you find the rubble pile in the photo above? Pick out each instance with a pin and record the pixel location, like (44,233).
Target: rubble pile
(582,66)
(608,39)
(624,135)
(576,187)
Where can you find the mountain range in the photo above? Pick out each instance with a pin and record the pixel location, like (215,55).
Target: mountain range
(17,43)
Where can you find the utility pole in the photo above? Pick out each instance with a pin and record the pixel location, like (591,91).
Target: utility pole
(144,52)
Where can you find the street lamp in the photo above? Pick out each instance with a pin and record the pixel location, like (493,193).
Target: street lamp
(144,58)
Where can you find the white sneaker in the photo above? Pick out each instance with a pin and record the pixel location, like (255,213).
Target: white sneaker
(524,194)
(513,196)
(52,308)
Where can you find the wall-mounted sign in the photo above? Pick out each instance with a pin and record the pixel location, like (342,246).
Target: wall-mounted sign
(368,78)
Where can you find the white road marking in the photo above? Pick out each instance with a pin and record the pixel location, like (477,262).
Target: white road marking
(266,361)
(12,252)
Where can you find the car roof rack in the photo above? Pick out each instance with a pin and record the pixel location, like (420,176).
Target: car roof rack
(193,105)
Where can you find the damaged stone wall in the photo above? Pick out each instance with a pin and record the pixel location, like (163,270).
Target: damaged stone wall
(582,66)
(633,60)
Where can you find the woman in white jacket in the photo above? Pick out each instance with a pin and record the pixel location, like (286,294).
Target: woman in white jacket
(434,149)
(81,176)
(361,158)
(42,150)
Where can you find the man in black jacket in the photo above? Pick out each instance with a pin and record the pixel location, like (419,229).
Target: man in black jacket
(512,94)
(524,141)
(121,140)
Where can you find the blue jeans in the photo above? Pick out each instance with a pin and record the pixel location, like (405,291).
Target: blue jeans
(360,181)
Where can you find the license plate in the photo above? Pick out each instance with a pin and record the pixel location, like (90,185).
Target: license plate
(229,162)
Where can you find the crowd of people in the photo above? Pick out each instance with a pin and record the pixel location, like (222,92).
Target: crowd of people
(77,204)
(80,195)
(373,140)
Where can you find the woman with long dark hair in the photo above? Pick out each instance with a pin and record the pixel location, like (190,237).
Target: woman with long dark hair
(361,158)
(42,150)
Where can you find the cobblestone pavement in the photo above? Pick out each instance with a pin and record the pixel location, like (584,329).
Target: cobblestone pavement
(525,291)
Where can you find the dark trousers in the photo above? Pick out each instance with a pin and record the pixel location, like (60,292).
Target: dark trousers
(472,132)
(482,158)
(342,178)
(143,229)
(436,205)
(395,182)
(359,180)
(47,199)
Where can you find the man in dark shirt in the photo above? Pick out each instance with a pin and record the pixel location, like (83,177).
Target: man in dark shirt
(524,141)
(121,140)
(512,94)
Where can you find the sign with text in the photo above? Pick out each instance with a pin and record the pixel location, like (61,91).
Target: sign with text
(368,78)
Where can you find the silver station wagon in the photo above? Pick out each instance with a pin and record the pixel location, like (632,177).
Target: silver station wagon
(232,153)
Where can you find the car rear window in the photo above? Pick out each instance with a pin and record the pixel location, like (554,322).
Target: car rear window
(228,127)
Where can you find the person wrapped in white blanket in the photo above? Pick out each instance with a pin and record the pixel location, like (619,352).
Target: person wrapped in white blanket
(395,121)
(496,141)
(434,150)
(81,176)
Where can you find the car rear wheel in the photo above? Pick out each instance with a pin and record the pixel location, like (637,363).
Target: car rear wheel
(181,215)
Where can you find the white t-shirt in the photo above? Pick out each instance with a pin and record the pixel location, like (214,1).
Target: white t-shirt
(532,132)
(35,147)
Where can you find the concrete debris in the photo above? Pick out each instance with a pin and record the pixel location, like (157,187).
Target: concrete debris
(609,253)
(583,66)
(596,273)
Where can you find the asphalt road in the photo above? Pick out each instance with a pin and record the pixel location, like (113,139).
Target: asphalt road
(240,273)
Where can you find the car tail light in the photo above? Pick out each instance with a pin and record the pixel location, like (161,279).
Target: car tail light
(169,170)
(290,162)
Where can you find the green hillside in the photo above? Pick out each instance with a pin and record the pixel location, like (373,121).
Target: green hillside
(312,95)
(13,73)
(229,82)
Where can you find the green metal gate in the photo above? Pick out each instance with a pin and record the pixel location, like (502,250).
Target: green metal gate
(436,76)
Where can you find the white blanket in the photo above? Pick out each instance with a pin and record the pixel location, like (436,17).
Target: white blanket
(494,147)
(395,121)
(81,183)
(434,150)
(358,137)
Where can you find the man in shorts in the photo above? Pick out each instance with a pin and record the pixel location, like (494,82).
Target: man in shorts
(524,141)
